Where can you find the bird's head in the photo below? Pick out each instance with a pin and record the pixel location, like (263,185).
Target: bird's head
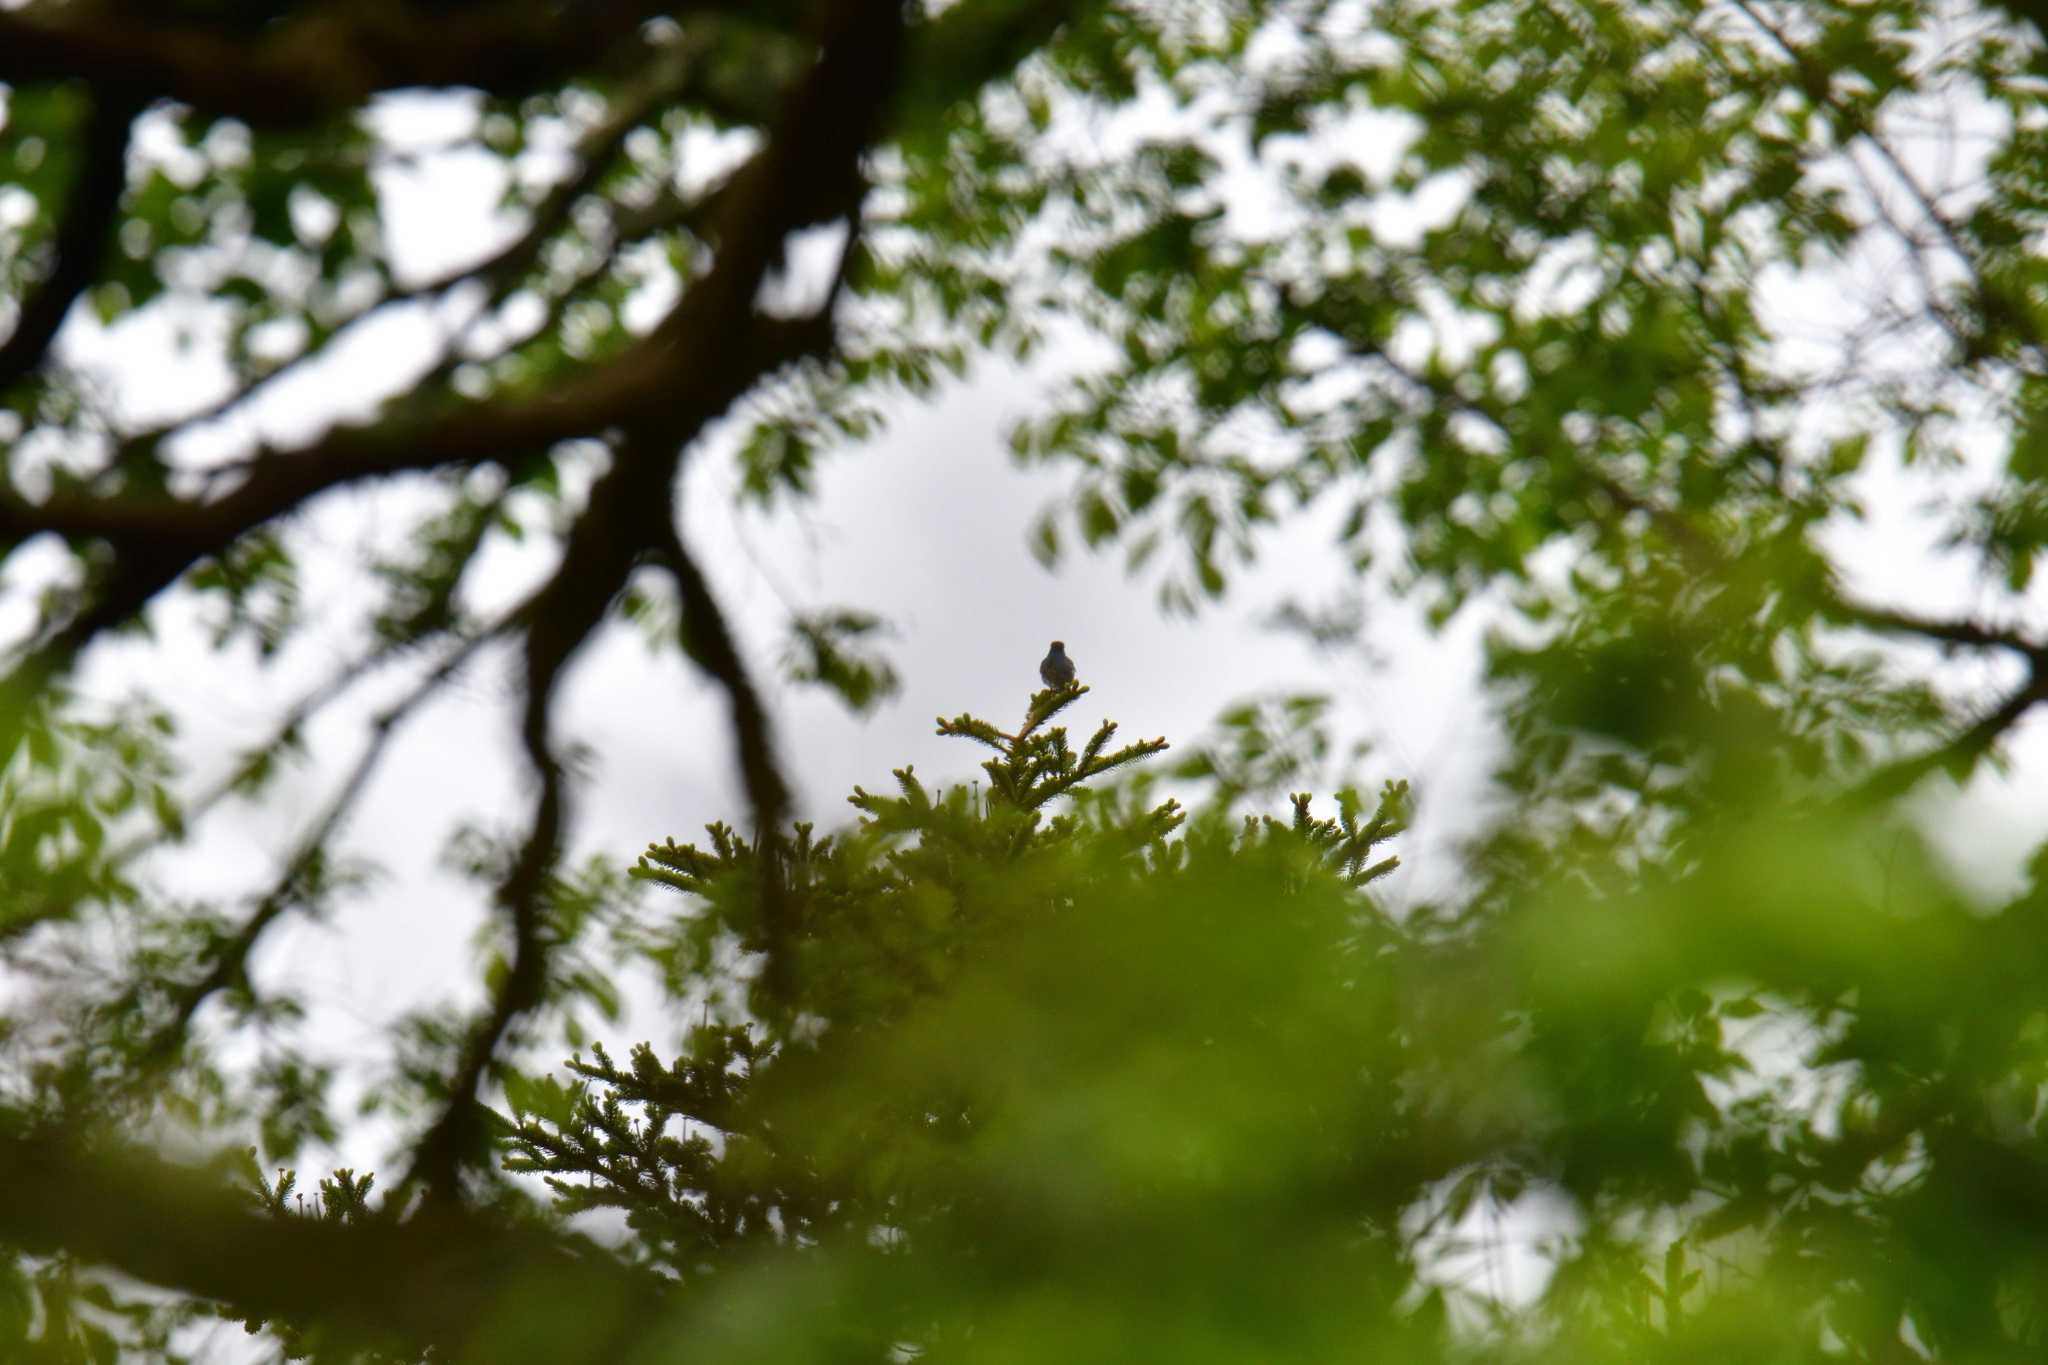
(1059,646)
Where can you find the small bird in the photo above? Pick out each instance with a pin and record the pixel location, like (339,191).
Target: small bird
(1056,669)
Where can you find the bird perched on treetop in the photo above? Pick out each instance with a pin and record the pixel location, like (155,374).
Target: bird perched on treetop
(1056,668)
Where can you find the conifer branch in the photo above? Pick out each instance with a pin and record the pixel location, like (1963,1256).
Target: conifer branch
(1033,768)
(1340,843)
(1048,703)
(1093,763)
(685,868)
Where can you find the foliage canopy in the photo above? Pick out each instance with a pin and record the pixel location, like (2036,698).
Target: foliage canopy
(1621,320)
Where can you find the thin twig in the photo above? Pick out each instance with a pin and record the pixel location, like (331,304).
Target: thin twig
(229,960)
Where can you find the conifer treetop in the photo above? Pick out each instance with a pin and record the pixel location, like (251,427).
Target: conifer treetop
(1035,765)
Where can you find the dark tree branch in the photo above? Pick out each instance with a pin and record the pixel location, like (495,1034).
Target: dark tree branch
(1971,634)
(809,173)
(450,1281)
(564,613)
(326,60)
(973,43)
(656,87)
(668,386)
(709,642)
(88,216)
(330,58)
(1962,753)
(156,540)
(963,50)
(455,1142)
(810,168)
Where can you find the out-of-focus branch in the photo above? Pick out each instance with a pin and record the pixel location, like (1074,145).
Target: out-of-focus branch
(326,60)
(81,235)
(1973,634)
(662,81)
(156,539)
(973,43)
(449,1281)
(810,167)
(1957,754)
(1962,752)
(455,1142)
(809,173)
(1815,78)
(709,642)
(230,959)
(310,704)
(709,351)
(330,58)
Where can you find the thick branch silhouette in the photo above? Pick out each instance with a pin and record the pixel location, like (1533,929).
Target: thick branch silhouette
(82,232)
(446,1280)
